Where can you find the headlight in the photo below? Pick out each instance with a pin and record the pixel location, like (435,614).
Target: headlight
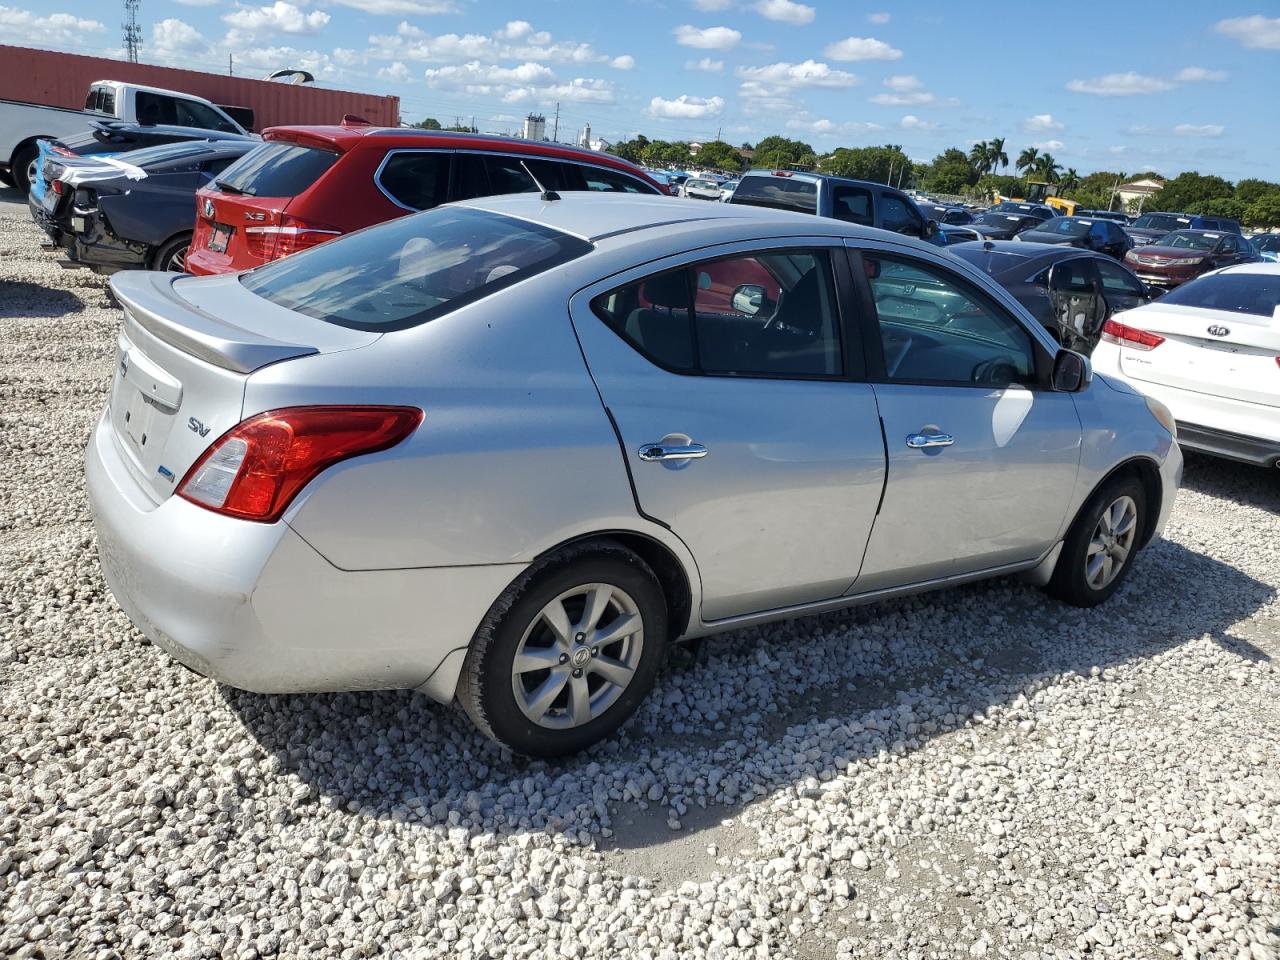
(1164,415)
(1184,262)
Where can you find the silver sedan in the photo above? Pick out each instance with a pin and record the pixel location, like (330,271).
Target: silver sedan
(506,451)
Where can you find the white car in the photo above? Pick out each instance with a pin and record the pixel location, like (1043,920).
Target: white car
(698,188)
(726,190)
(1210,351)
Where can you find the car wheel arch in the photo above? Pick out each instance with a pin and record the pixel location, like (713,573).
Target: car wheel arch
(1147,472)
(676,579)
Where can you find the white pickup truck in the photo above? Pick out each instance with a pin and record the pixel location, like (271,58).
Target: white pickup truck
(22,124)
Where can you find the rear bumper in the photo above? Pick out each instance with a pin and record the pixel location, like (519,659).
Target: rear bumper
(1231,446)
(256,607)
(93,245)
(42,219)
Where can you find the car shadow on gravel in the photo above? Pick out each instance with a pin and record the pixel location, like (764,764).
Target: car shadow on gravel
(19,298)
(961,652)
(1240,482)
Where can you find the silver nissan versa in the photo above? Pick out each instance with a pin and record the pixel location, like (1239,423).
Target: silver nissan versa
(506,451)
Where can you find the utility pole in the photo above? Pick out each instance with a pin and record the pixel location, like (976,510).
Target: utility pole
(229,65)
(132,32)
(555,131)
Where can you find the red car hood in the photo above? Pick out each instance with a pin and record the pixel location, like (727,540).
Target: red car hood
(1168,253)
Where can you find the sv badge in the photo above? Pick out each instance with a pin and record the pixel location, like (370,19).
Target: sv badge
(197,427)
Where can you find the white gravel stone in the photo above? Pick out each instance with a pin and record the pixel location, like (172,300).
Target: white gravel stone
(1037,782)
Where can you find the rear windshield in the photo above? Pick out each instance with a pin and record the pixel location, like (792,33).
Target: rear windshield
(992,262)
(1253,293)
(1161,221)
(781,193)
(277,170)
(1267,243)
(405,272)
(1065,226)
(165,153)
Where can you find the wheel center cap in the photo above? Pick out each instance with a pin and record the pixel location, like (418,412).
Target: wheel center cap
(580,657)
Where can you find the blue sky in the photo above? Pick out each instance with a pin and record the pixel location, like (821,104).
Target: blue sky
(1100,85)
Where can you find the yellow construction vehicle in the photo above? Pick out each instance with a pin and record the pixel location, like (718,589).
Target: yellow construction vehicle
(1038,192)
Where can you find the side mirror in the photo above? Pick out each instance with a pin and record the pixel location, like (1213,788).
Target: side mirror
(748,299)
(1072,372)
(929,230)
(1152,291)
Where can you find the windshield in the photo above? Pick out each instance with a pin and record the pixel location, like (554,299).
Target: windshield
(1269,244)
(1161,221)
(1253,293)
(277,170)
(1190,240)
(1065,227)
(781,193)
(411,270)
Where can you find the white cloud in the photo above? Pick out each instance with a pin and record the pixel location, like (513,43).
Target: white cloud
(270,58)
(1202,130)
(904,99)
(1042,123)
(706,65)
(624,62)
(824,127)
(878,18)
(401,7)
(517,40)
(1049,145)
(485,80)
(16,25)
(790,76)
(706,38)
(515,30)
(580,90)
(1256,32)
(686,107)
(912,122)
(396,72)
(280,17)
(903,82)
(172,37)
(862,48)
(712,5)
(1120,85)
(1192,74)
(785,11)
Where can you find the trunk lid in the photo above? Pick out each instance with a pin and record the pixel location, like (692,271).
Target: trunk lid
(1221,353)
(181,370)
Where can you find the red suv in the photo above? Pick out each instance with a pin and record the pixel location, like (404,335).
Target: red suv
(306,185)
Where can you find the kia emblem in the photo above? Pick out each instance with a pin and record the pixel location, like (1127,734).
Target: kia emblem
(1218,331)
(208,207)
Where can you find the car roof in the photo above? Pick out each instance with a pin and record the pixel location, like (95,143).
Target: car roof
(1029,253)
(1265,267)
(595,216)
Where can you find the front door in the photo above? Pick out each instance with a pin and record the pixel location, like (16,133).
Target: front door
(742,416)
(982,459)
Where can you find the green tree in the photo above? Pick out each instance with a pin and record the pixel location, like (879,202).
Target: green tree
(980,156)
(1190,192)
(663,153)
(720,156)
(632,150)
(996,157)
(1068,180)
(1027,159)
(990,184)
(1251,189)
(779,153)
(868,163)
(430,123)
(951,172)
(1045,168)
(1264,211)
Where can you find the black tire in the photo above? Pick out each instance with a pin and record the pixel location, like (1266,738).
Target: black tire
(6,179)
(175,249)
(486,687)
(1071,582)
(21,160)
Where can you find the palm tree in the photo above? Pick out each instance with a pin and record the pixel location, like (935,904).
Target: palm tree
(1027,159)
(1069,179)
(996,157)
(980,156)
(1047,168)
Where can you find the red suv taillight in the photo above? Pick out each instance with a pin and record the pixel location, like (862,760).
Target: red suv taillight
(291,235)
(256,468)
(1118,333)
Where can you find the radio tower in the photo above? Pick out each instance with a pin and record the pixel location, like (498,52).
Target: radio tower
(132,32)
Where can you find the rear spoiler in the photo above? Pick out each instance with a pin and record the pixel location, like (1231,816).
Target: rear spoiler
(149,300)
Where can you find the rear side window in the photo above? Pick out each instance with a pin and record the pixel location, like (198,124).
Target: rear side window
(277,170)
(101,101)
(416,180)
(780,193)
(508,174)
(411,270)
(612,181)
(852,204)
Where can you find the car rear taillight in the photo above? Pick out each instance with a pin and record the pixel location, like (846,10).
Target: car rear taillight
(64,152)
(58,187)
(1119,333)
(256,468)
(289,236)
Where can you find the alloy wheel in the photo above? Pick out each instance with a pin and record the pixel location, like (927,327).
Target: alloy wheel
(1112,542)
(178,262)
(578,656)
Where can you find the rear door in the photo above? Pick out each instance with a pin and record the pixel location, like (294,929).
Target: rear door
(744,421)
(982,459)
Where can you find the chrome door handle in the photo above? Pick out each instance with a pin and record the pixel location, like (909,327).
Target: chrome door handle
(663,451)
(919,441)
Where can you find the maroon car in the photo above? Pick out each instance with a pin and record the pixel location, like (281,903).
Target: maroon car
(306,185)
(1185,254)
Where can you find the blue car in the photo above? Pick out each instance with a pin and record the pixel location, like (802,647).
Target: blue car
(1267,245)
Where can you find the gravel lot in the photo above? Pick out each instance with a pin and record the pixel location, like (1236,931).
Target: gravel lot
(974,773)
